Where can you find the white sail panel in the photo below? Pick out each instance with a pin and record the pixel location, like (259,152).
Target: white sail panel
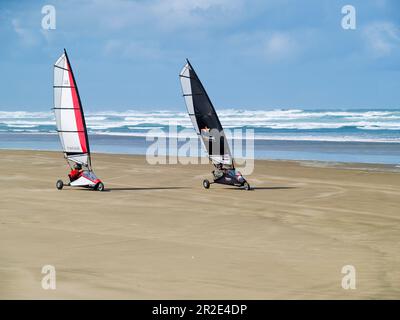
(189,104)
(194,122)
(185,71)
(80,158)
(226,159)
(187,88)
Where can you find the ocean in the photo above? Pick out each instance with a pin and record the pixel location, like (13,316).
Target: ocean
(364,136)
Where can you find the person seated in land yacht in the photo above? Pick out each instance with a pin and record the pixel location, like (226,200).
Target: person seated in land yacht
(76,172)
(220,171)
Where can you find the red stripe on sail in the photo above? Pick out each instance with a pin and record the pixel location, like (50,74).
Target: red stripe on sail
(78,112)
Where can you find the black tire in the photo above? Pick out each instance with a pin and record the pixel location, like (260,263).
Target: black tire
(100,186)
(246,186)
(206,184)
(59,184)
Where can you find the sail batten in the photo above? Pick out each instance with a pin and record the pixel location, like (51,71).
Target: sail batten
(204,117)
(71,126)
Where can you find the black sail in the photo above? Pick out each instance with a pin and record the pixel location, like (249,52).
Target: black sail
(204,118)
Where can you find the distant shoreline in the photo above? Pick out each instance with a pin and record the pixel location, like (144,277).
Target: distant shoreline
(256,138)
(370,167)
(296,150)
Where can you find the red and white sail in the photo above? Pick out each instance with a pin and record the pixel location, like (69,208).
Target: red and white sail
(69,114)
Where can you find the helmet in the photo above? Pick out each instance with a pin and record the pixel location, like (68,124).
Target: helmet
(77,166)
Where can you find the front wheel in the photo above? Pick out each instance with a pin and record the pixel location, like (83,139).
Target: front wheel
(246,186)
(206,184)
(100,187)
(59,184)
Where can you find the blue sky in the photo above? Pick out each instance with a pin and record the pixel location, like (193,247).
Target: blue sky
(258,54)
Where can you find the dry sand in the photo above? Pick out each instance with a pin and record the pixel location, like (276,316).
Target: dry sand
(157,234)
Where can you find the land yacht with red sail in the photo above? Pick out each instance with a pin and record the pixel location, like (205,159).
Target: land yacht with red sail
(71,127)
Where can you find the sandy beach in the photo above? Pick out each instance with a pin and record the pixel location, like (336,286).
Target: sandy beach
(157,234)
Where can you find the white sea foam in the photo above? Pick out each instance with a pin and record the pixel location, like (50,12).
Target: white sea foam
(272,137)
(359,125)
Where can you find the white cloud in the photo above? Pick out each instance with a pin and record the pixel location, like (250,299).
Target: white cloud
(132,23)
(26,35)
(272,46)
(280,46)
(382,38)
(133,49)
(177,13)
(380,3)
(160,15)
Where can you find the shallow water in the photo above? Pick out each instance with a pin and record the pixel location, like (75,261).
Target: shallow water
(361,152)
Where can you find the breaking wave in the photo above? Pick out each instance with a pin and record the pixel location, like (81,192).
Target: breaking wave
(278,124)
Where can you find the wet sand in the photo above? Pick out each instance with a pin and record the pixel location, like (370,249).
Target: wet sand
(157,234)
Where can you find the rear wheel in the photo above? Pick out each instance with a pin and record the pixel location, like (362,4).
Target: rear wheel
(59,184)
(246,186)
(206,184)
(100,187)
